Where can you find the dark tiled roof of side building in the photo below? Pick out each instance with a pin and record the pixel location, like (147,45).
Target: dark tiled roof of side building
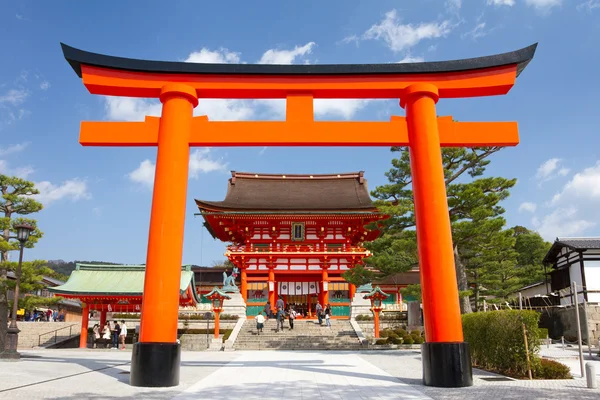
(283,192)
(583,243)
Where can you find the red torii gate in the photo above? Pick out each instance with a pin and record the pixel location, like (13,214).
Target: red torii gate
(179,85)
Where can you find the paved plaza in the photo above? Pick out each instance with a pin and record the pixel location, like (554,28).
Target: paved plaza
(104,374)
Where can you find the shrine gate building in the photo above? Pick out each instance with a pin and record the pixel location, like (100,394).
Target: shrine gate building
(293,236)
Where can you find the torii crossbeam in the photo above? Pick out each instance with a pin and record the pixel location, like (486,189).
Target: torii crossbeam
(418,86)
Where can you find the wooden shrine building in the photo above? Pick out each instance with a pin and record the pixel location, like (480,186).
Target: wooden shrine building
(115,288)
(293,236)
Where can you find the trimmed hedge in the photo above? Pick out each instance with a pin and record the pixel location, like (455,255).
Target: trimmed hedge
(497,343)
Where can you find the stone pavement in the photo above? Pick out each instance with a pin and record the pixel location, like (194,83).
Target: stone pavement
(104,374)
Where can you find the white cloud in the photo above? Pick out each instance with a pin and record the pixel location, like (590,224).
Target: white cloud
(575,206)
(400,36)
(499,3)
(45,85)
(589,5)
(543,5)
(20,172)
(562,222)
(550,169)
(15,148)
(411,59)
(200,162)
(207,56)
(453,5)
(584,185)
(527,206)
(74,189)
(286,56)
(477,32)
(144,174)
(14,97)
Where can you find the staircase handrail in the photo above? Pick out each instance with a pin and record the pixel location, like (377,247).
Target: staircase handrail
(55,331)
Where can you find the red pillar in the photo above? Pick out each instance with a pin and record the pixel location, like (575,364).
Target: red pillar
(158,349)
(376,324)
(244,285)
(85,314)
(102,319)
(446,358)
(324,285)
(217,323)
(351,291)
(271,292)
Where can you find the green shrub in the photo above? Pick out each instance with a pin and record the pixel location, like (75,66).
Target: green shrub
(415,333)
(364,317)
(408,340)
(550,369)
(497,343)
(381,341)
(420,340)
(400,332)
(385,333)
(397,340)
(543,333)
(393,335)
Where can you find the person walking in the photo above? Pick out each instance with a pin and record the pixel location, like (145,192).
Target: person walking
(280,317)
(291,317)
(115,335)
(319,312)
(123,334)
(268,310)
(260,323)
(328,316)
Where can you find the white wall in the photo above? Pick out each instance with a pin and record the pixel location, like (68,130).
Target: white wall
(592,279)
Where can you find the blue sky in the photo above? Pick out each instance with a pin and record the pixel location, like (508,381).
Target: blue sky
(97,200)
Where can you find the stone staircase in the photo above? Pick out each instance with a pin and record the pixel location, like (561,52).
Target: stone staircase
(52,332)
(306,335)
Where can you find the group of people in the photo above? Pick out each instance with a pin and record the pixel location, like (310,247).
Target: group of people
(290,313)
(44,316)
(108,335)
(324,314)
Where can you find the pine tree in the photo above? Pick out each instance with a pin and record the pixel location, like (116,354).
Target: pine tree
(470,198)
(17,200)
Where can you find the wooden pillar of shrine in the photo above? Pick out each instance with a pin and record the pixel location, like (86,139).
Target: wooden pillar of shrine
(244,284)
(351,291)
(156,357)
(446,357)
(324,285)
(85,315)
(102,319)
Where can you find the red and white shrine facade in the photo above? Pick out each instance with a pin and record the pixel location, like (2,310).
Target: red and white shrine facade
(293,236)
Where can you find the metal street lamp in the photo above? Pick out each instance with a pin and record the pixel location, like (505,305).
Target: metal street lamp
(12,337)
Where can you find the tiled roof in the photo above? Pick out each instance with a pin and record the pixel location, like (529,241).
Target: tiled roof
(282,192)
(572,243)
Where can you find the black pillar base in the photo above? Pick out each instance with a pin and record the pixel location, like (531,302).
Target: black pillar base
(155,364)
(447,364)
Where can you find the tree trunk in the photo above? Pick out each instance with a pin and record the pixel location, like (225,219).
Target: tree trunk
(463,284)
(4,291)
(476,290)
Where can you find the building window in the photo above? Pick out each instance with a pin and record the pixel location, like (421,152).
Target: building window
(298,232)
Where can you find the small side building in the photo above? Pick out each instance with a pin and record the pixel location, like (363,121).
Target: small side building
(574,260)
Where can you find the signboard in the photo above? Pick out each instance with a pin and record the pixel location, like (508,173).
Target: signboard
(21,311)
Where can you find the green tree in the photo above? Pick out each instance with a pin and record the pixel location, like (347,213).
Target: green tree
(469,197)
(531,249)
(17,200)
(32,274)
